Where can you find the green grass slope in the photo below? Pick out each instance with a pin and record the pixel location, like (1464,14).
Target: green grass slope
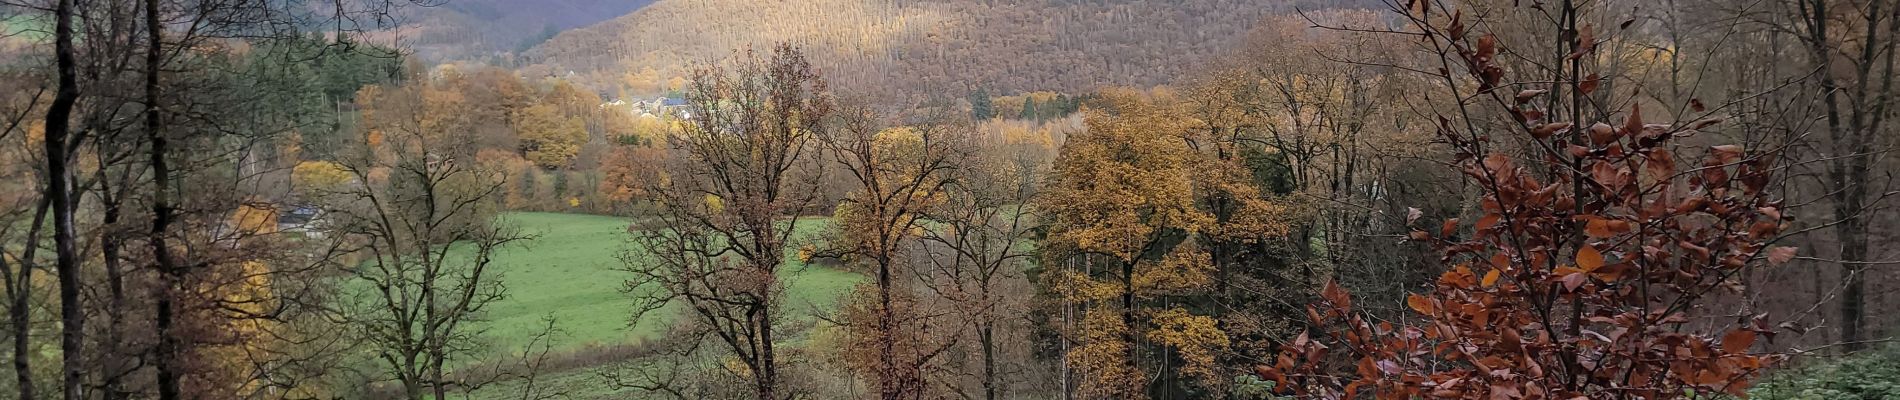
(571,269)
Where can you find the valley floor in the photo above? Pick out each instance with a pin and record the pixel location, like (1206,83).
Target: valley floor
(572,271)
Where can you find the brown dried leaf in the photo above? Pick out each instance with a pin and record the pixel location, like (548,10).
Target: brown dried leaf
(1781,254)
(1527,95)
(1586,41)
(1727,153)
(1601,134)
(1545,130)
(1421,304)
(1634,123)
(1661,164)
(1333,293)
(1457,29)
(1572,281)
(1589,259)
(1487,47)
(1487,222)
(1589,84)
(1598,227)
(1737,341)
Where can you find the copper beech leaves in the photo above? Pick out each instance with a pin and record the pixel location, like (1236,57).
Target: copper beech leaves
(1573,247)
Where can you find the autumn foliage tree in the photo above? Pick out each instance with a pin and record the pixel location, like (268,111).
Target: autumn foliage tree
(899,173)
(1126,205)
(1590,256)
(548,138)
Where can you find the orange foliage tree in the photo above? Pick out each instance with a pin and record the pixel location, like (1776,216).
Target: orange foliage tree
(1590,259)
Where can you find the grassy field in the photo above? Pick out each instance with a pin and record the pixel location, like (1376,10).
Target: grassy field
(571,270)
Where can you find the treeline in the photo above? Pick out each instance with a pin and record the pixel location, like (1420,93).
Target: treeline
(559,146)
(1503,205)
(150,153)
(1487,200)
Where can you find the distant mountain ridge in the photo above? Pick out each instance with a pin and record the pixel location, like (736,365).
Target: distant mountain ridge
(478,29)
(916,46)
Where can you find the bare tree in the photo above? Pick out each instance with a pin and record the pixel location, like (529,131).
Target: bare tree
(60,195)
(17,268)
(1852,52)
(728,206)
(974,247)
(421,214)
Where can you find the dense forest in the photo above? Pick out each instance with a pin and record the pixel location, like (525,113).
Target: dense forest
(492,31)
(937,199)
(900,48)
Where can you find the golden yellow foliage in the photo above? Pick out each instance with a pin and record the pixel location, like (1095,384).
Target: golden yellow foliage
(550,139)
(1131,175)
(319,176)
(252,220)
(1198,340)
(714,204)
(1138,186)
(1100,359)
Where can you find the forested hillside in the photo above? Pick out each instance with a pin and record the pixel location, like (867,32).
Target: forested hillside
(935,45)
(495,29)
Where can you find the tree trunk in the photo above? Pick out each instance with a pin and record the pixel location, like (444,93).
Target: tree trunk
(1128,312)
(18,309)
(890,387)
(987,336)
(1854,292)
(109,247)
(59,188)
(435,375)
(767,379)
(166,358)
(412,387)
(1851,129)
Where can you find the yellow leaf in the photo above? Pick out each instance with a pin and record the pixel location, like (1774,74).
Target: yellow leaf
(1490,278)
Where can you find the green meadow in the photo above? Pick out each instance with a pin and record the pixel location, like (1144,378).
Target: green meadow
(571,270)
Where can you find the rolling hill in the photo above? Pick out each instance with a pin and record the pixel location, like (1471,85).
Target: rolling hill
(486,29)
(916,46)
